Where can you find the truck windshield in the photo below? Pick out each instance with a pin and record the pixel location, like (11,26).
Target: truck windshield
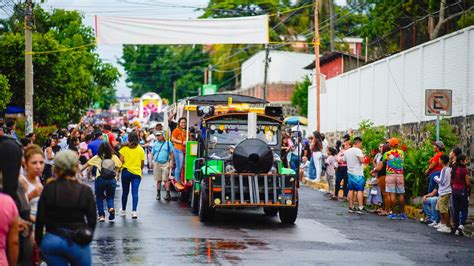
(233,134)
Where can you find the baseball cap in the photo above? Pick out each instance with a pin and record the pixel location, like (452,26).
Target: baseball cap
(158,133)
(66,160)
(438,144)
(394,142)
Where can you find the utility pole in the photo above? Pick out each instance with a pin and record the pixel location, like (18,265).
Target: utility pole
(28,67)
(174,92)
(331,24)
(316,65)
(265,74)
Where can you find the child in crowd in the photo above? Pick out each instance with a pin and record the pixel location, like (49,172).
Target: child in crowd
(444,191)
(461,189)
(331,166)
(374,197)
(304,168)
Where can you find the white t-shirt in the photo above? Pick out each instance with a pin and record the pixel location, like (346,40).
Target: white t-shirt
(354,166)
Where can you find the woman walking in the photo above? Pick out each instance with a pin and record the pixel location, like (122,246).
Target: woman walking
(317,147)
(34,166)
(67,210)
(48,159)
(132,156)
(107,165)
(10,164)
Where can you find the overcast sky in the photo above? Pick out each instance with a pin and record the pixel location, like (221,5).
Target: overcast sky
(136,8)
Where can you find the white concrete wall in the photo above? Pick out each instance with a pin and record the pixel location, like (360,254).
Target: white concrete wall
(284,67)
(391,91)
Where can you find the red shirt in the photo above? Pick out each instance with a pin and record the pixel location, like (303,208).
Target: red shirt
(110,136)
(435,159)
(459,178)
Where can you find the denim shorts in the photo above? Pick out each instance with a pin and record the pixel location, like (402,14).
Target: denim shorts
(395,184)
(355,182)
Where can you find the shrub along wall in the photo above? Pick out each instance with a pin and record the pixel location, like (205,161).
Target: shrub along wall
(455,131)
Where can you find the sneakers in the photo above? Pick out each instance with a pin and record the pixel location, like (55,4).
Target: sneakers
(361,210)
(134,215)
(444,229)
(392,216)
(433,224)
(123,213)
(101,219)
(460,230)
(402,216)
(111,214)
(352,210)
(168,196)
(438,225)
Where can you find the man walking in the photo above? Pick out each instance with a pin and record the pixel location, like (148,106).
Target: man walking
(394,181)
(162,161)
(356,180)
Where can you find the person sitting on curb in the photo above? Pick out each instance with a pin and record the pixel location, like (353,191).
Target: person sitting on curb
(429,208)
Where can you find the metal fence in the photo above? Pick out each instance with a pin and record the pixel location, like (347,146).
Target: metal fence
(391,91)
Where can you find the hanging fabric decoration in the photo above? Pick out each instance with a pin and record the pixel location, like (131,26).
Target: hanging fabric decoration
(130,30)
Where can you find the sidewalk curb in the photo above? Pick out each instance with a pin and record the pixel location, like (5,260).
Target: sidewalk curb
(320,185)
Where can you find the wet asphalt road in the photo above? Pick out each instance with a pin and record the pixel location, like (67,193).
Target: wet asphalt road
(324,233)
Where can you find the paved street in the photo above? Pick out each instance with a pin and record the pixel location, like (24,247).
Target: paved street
(167,233)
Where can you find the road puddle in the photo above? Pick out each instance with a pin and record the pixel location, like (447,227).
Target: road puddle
(214,249)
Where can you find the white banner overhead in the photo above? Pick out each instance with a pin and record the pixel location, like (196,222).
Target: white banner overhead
(129,30)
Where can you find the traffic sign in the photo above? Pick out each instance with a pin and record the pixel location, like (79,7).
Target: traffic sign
(438,102)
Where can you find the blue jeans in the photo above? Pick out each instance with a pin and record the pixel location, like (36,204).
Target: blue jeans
(178,159)
(58,251)
(104,189)
(432,183)
(294,163)
(127,179)
(429,208)
(312,170)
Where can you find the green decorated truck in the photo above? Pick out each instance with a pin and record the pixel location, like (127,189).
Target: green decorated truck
(233,157)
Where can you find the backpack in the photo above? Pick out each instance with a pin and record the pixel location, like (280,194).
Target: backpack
(108,169)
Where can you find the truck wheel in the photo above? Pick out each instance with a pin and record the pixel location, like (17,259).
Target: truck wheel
(194,200)
(288,215)
(270,211)
(206,212)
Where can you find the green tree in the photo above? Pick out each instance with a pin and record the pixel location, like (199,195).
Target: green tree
(66,83)
(154,68)
(5,93)
(299,98)
(228,58)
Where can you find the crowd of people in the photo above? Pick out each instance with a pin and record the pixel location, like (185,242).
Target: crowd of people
(40,184)
(445,206)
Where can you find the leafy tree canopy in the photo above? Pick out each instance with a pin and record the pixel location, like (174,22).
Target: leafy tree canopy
(5,93)
(154,68)
(300,96)
(65,83)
